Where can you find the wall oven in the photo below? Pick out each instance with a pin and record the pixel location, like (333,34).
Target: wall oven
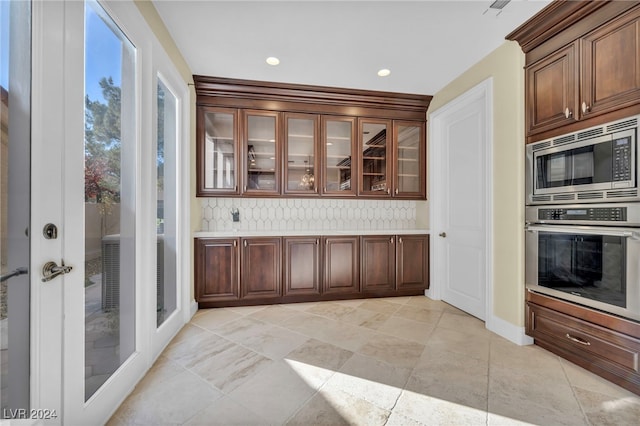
(598,164)
(587,254)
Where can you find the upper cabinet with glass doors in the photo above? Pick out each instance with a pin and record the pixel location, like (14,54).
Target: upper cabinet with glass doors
(375,140)
(217,134)
(261,150)
(274,139)
(301,154)
(409,159)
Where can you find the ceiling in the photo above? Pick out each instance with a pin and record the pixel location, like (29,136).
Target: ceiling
(425,44)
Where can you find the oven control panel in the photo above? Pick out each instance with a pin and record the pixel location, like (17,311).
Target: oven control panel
(591,214)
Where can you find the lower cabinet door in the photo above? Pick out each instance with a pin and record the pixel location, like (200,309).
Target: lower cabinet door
(413,262)
(217,269)
(302,266)
(341,275)
(378,257)
(261,268)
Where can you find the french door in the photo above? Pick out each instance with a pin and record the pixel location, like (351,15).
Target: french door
(105,240)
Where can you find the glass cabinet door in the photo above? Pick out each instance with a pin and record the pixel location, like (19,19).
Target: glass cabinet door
(300,150)
(262,156)
(409,159)
(374,141)
(218,163)
(339,175)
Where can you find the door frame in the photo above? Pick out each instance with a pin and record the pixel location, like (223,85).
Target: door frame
(437,140)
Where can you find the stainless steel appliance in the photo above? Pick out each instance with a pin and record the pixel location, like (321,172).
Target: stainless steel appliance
(598,164)
(588,254)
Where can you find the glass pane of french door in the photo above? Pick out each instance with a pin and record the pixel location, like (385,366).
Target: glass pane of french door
(109,198)
(15,141)
(166,223)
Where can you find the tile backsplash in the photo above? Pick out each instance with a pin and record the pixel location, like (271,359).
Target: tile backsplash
(300,214)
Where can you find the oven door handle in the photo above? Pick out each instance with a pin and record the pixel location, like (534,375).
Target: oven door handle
(583,230)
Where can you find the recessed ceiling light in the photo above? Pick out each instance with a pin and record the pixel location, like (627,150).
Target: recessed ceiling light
(384,72)
(272,60)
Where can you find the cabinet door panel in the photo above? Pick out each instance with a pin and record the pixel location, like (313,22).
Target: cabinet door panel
(217,135)
(409,159)
(262,153)
(413,261)
(301,154)
(552,91)
(374,141)
(217,269)
(302,266)
(611,66)
(339,159)
(378,263)
(341,265)
(261,263)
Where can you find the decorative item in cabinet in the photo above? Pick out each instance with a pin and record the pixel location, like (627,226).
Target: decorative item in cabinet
(217,153)
(374,167)
(409,159)
(300,147)
(338,142)
(261,145)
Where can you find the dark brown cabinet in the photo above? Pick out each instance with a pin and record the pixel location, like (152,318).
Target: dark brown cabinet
(342,266)
(378,257)
(412,262)
(606,345)
(582,66)
(552,88)
(217,269)
(611,66)
(260,273)
(302,266)
(267,270)
(272,139)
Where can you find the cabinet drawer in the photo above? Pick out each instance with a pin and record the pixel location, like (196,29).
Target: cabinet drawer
(558,328)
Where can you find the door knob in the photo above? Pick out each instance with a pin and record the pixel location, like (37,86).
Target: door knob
(443,234)
(50,270)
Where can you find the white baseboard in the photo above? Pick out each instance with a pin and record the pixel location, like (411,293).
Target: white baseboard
(193,309)
(507,330)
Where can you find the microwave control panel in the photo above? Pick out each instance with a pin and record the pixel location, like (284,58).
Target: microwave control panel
(595,214)
(622,159)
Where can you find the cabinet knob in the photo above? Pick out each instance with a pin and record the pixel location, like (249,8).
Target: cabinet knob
(400,240)
(245,243)
(391,241)
(568,113)
(585,108)
(397,191)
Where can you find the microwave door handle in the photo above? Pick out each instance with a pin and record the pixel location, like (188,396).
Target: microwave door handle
(583,231)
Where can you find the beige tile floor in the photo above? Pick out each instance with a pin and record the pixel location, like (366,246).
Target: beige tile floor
(393,361)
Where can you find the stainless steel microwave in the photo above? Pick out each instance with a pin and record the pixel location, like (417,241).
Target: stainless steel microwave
(598,164)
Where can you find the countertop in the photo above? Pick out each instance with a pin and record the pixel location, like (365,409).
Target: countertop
(311,233)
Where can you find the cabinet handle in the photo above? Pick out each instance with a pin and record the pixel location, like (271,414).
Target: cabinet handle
(388,191)
(397,191)
(585,108)
(245,243)
(317,242)
(568,113)
(400,240)
(578,340)
(235,243)
(391,241)
(245,188)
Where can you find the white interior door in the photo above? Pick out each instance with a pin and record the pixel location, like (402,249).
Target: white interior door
(85,143)
(460,154)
